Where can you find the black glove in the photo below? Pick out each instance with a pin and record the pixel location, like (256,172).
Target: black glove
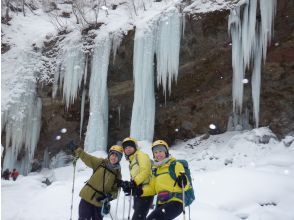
(106,197)
(72,146)
(119,183)
(138,191)
(128,186)
(181,180)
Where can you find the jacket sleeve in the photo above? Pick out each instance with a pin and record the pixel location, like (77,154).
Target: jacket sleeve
(149,189)
(114,189)
(144,168)
(88,159)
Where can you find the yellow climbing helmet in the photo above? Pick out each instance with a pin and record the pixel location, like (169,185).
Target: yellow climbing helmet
(116,148)
(160,142)
(129,142)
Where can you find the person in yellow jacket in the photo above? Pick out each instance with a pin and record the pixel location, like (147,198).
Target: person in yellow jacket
(168,190)
(140,170)
(102,185)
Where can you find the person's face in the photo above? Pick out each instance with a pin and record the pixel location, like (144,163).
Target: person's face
(159,155)
(113,159)
(129,150)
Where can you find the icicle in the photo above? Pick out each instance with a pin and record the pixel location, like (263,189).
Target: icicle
(116,41)
(96,137)
(82,111)
(237,59)
(248,31)
(143,113)
(22,131)
(73,75)
(255,82)
(250,47)
(86,68)
(167,49)
(267,10)
(183,24)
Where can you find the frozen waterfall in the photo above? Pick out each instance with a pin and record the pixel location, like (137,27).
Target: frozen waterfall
(21,116)
(96,137)
(22,125)
(168,49)
(160,38)
(143,113)
(250,38)
(73,72)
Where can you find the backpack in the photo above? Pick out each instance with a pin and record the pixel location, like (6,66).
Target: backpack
(189,193)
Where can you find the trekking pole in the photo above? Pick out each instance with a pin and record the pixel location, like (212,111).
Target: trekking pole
(116,208)
(183,192)
(73,185)
(130,205)
(189,213)
(124,205)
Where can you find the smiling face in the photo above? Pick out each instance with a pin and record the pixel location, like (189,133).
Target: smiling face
(159,155)
(113,158)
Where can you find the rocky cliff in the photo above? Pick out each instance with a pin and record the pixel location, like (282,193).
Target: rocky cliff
(202,93)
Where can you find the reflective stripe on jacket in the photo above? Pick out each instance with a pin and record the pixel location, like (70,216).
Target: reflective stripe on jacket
(103,180)
(140,167)
(163,182)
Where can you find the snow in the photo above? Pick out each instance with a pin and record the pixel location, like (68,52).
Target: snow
(205,6)
(236,175)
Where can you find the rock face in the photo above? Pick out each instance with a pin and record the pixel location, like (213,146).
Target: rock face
(202,93)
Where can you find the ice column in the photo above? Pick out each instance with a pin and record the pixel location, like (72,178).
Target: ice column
(250,39)
(21,118)
(74,65)
(167,49)
(162,37)
(96,137)
(143,113)
(237,59)
(23,122)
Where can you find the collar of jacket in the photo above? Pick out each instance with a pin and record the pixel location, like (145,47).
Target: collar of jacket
(164,162)
(132,156)
(112,166)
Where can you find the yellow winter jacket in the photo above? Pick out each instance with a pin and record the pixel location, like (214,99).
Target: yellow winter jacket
(140,168)
(103,179)
(163,182)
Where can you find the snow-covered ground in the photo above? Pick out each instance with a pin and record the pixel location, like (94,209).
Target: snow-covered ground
(236,175)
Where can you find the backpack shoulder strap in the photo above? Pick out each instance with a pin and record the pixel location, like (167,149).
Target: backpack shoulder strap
(172,169)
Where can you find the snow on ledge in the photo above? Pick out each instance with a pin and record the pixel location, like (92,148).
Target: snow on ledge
(205,6)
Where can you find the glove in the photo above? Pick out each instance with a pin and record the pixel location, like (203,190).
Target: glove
(72,146)
(128,186)
(182,180)
(138,191)
(119,183)
(106,196)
